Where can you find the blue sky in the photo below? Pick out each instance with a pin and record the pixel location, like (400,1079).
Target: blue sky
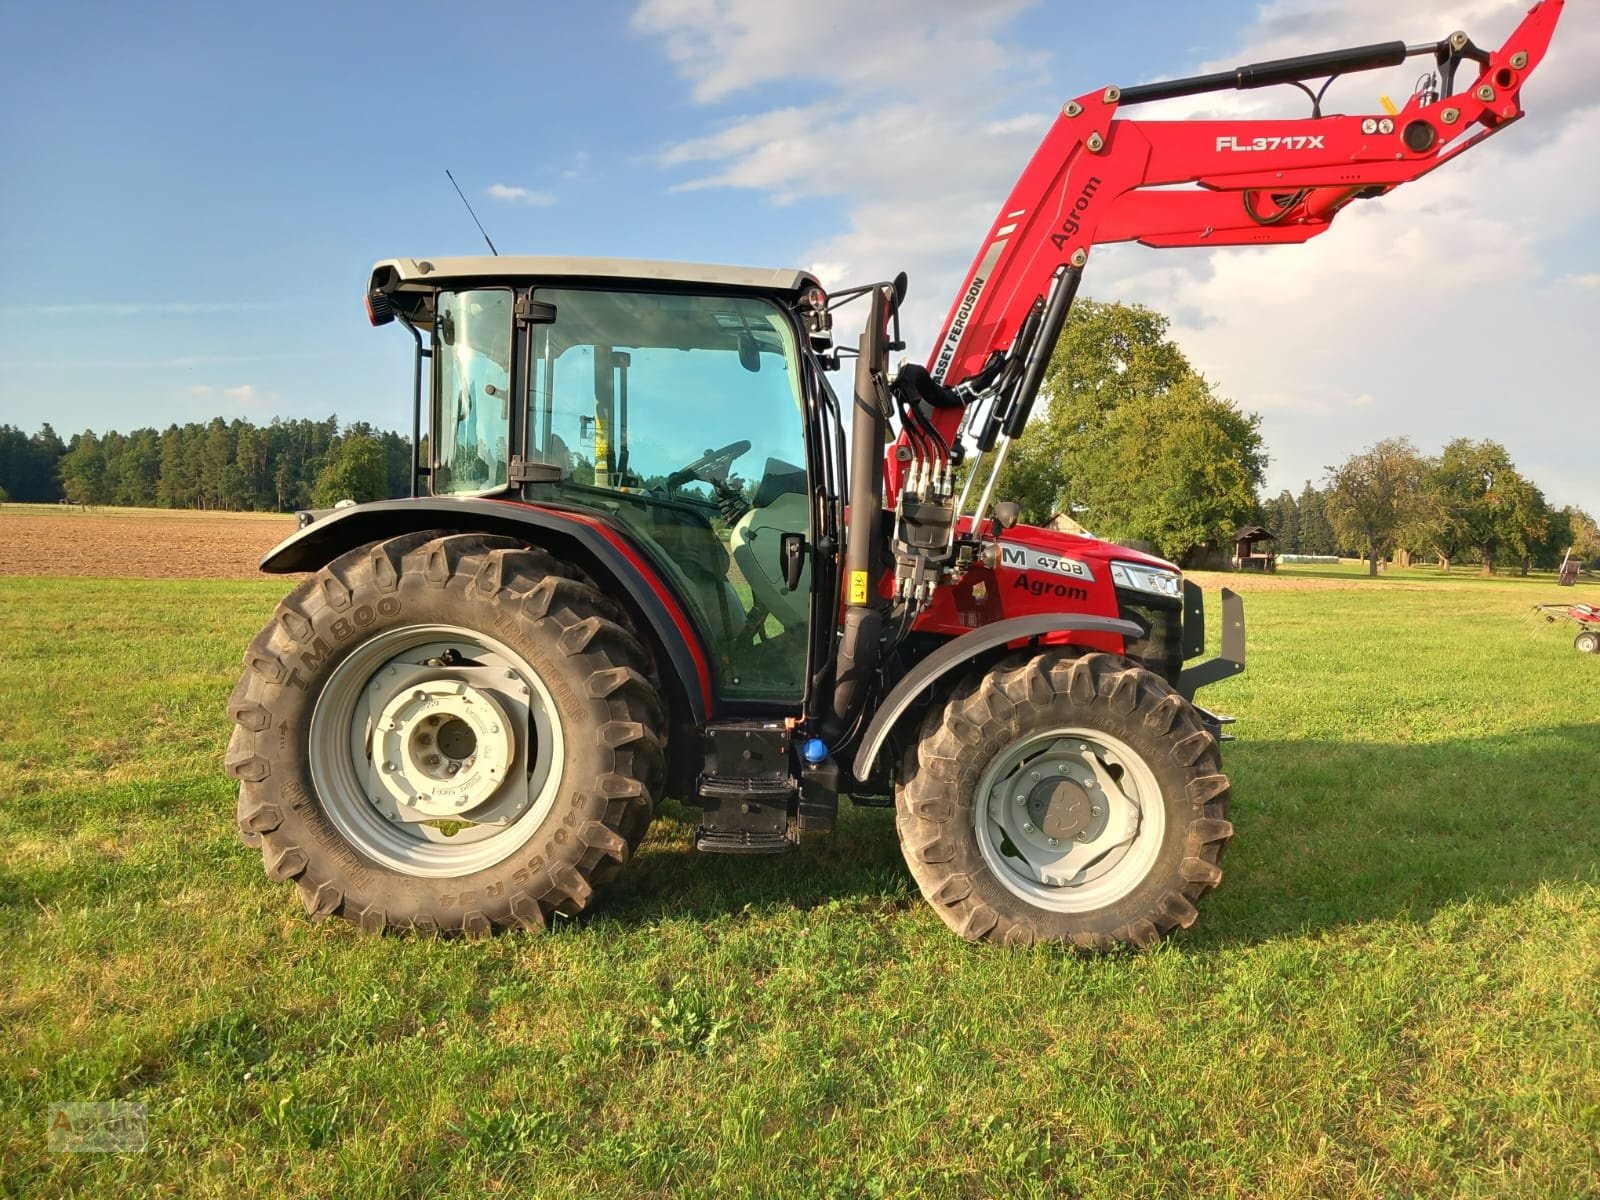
(193,195)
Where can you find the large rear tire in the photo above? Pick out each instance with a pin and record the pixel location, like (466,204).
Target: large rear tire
(447,733)
(1066,797)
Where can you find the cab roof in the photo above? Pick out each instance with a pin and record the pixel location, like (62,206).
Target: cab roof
(396,273)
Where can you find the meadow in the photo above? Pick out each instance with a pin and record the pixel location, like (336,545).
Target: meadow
(1393,993)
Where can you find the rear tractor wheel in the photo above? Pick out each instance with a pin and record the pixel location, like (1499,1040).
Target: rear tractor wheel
(446,733)
(1067,797)
(1588,642)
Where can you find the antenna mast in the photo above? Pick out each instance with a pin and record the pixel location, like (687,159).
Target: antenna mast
(470,213)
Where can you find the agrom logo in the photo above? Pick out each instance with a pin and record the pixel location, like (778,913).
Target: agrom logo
(1037,587)
(1073,225)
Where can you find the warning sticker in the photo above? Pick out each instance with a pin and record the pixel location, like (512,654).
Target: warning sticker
(858,587)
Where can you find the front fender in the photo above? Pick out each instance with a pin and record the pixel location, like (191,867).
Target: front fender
(959,653)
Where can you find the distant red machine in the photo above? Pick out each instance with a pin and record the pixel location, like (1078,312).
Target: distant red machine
(1585,616)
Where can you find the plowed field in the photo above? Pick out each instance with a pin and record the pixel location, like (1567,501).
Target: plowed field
(137,542)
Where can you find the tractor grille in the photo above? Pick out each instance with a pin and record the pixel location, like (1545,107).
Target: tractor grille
(1161,648)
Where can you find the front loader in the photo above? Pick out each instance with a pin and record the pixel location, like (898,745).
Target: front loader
(642,559)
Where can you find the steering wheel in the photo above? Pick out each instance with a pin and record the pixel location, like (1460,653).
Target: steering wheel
(712,466)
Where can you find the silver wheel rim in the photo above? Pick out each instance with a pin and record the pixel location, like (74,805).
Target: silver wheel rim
(436,751)
(1070,820)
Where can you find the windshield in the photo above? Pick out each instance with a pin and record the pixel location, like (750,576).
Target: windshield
(681,417)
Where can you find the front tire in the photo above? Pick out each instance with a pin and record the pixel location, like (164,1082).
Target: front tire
(1065,797)
(447,733)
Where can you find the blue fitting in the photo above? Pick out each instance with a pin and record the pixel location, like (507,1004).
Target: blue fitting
(814,751)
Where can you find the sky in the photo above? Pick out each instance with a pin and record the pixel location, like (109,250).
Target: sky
(192,195)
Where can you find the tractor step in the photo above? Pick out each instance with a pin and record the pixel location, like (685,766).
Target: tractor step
(712,788)
(747,789)
(742,841)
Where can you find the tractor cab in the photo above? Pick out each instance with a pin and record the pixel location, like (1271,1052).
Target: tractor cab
(666,400)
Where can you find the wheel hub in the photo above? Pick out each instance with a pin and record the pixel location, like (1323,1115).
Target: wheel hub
(1060,808)
(445,747)
(1062,815)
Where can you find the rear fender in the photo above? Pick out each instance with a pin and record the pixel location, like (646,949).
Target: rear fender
(604,552)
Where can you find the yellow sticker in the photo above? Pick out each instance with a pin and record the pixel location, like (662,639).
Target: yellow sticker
(858,587)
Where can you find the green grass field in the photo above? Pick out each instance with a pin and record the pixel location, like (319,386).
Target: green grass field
(1394,992)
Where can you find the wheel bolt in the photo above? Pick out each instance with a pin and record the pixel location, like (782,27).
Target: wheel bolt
(425,739)
(419,697)
(1054,843)
(1094,812)
(1027,828)
(432,760)
(1022,798)
(389,766)
(1035,775)
(453,768)
(1084,836)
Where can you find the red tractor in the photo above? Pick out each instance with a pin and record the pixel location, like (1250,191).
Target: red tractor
(464,717)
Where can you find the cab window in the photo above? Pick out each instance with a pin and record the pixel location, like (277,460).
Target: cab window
(472,391)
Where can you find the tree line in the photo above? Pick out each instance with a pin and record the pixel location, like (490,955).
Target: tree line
(237,465)
(1135,444)
(1129,439)
(1468,503)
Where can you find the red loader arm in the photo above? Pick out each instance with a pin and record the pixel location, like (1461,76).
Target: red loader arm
(1095,179)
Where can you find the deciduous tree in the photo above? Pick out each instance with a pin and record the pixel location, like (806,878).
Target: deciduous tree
(1374,495)
(1133,436)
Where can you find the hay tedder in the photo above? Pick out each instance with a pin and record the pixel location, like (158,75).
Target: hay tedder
(465,714)
(1585,616)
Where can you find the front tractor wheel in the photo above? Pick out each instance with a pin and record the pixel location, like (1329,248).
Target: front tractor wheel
(446,733)
(1067,797)
(1588,642)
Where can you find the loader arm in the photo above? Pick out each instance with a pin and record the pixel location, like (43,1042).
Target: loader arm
(1100,176)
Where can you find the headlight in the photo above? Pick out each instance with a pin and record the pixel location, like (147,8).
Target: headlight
(1140,578)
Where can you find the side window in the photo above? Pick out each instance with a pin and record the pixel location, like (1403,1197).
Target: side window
(472,391)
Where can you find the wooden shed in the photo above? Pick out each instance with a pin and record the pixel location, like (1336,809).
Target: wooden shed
(1251,551)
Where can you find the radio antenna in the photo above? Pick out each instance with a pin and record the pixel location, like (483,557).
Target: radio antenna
(470,213)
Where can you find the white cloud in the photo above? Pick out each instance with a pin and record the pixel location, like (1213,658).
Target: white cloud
(245,395)
(517,195)
(1588,282)
(729,46)
(921,170)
